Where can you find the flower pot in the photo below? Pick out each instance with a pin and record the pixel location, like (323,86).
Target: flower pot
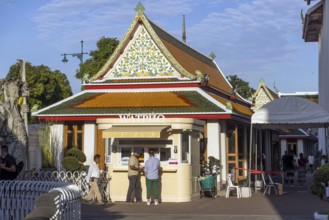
(318,216)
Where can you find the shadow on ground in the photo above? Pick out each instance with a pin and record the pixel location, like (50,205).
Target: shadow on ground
(296,204)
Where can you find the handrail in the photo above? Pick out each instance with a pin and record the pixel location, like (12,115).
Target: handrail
(18,198)
(78,178)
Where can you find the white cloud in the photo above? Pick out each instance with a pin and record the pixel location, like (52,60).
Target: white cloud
(66,21)
(249,37)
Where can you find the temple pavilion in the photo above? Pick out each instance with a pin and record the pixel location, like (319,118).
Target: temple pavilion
(155,92)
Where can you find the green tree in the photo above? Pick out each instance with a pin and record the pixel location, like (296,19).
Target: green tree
(240,86)
(46,86)
(105,48)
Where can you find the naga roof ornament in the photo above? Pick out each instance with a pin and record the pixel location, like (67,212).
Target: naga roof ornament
(140,8)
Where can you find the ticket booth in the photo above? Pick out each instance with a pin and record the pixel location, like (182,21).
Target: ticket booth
(176,143)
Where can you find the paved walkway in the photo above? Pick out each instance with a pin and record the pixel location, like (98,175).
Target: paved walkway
(296,204)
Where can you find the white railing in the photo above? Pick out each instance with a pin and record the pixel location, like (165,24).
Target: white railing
(77,178)
(68,203)
(17,199)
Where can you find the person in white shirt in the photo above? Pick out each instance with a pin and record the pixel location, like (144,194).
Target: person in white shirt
(310,162)
(93,177)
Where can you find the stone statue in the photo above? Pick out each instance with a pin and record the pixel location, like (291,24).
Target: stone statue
(12,127)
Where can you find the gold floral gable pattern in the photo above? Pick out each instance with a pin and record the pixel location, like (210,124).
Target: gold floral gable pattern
(142,59)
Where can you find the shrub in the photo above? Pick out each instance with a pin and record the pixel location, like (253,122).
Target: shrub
(321,175)
(71,163)
(317,189)
(75,152)
(321,179)
(73,160)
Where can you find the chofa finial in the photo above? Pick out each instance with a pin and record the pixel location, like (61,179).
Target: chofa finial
(139,8)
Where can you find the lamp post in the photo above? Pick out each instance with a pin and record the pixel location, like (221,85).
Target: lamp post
(77,55)
(308,1)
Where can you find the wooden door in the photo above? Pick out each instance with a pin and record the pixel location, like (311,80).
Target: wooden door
(100,147)
(232,150)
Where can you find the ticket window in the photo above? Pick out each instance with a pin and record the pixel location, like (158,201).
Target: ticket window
(162,153)
(140,150)
(126,153)
(185,147)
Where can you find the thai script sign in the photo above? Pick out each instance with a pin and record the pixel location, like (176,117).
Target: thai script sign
(142,118)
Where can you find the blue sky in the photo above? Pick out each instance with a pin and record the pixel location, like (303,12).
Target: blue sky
(255,39)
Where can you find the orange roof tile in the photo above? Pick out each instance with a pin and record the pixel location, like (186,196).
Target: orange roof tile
(192,60)
(236,107)
(135,100)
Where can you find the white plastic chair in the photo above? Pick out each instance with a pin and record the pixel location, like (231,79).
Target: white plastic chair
(231,186)
(270,185)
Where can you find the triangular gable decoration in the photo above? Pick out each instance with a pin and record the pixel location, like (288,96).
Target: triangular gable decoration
(141,54)
(142,58)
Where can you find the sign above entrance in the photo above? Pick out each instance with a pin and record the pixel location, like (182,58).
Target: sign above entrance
(142,118)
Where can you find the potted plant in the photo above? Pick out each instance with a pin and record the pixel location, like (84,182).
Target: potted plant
(48,153)
(209,170)
(321,215)
(211,167)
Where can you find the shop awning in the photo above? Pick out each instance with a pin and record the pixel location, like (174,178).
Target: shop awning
(134,132)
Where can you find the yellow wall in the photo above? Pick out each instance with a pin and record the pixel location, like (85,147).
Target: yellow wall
(175,183)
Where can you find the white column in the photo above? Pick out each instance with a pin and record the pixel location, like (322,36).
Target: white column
(89,140)
(57,135)
(300,147)
(179,147)
(213,139)
(283,146)
(190,148)
(216,145)
(324,69)
(222,148)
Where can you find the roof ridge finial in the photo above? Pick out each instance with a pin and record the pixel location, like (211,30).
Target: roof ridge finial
(139,8)
(184,30)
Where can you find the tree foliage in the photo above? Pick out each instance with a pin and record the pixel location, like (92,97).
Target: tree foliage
(46,86)
(240,86)
(105,48)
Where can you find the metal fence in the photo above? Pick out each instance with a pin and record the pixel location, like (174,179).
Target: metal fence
(78,178)
(17,199)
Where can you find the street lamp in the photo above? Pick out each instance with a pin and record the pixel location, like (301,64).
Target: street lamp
(77,55)
(308,1)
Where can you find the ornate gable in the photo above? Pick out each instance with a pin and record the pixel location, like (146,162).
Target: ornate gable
(139,40)
(262,96)
(261,99)
(142,58)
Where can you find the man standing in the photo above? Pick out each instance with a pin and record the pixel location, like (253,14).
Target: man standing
(93,177)
(288,168)
(7,165)
(151,169)
(134,179)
